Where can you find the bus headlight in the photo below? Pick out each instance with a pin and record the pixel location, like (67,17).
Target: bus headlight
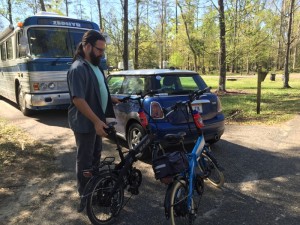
(51,85)
(43,86)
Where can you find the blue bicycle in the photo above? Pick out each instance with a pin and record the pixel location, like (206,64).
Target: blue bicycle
(181,201)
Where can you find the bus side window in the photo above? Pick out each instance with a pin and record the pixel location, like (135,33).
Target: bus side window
(9,48)
(3,51)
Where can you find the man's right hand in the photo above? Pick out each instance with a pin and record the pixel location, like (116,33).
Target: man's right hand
(99,127)
(85,109)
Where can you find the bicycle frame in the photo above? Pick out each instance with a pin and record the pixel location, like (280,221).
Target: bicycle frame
(193,157)
(121,169)
(193,163)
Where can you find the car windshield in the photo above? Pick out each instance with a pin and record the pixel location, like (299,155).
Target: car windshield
(53,42)
(170,84)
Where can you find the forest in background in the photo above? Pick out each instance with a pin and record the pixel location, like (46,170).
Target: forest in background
(185,33)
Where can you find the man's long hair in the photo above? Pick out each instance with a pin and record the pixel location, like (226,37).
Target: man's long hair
(89,37)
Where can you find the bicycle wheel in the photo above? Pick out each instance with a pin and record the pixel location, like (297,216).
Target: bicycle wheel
(102,206)
(179,212)
(213,174)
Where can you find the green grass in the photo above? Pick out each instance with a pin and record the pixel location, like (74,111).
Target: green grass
(277,104)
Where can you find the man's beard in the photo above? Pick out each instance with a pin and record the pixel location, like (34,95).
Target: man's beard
(94,59)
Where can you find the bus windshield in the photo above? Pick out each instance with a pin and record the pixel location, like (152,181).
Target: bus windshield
(53,42)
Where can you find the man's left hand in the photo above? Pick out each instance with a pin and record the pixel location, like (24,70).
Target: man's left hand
(115,100)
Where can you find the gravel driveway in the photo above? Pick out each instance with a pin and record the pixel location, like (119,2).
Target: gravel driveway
(262,172)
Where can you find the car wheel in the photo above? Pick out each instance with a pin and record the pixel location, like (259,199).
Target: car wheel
(134,135)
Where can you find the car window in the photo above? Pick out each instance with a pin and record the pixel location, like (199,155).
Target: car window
(133,85)
(177,83)
(188,83)
(115,84)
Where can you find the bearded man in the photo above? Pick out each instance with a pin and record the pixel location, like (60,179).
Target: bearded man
(91,103)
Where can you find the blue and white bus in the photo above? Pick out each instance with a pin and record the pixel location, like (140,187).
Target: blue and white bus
(35,57)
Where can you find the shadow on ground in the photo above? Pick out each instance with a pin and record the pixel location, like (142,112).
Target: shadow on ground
(261,188)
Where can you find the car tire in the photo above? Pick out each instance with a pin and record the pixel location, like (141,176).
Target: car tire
(21,103)
(135,134)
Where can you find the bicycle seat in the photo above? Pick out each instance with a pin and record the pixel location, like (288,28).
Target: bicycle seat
(174,139)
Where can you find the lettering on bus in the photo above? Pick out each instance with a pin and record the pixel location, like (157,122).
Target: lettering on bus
(63,23)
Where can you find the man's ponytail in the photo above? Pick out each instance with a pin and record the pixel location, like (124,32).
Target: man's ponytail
(79,51)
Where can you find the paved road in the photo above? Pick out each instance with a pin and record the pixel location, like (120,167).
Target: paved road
(262,178)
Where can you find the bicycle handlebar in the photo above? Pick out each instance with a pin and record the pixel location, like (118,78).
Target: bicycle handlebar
(198,93)
(111,128)
(192,97)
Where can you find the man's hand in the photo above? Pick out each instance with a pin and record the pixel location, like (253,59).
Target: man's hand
(85,109)
(99,127)
(115,100)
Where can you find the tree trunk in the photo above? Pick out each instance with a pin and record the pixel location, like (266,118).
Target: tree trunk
(176,18)
(161,46)
(100,15)
(248,66)
(67,7)
(287,56)
(188,36)
(42,5)
(136,36)
(125,25)
(222,78)
(233,65)
(278,55)
(295,57)
(280,36)
(9,12)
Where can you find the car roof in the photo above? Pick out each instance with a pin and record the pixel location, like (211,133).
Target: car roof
(153,72)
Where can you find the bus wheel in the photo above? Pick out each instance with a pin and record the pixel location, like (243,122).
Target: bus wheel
(21,103)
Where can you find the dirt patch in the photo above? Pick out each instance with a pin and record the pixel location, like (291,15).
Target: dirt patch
(23,162)
(231,92)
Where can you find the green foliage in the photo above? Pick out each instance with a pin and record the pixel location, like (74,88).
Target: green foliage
(252,37)
(277,104)
(177,60)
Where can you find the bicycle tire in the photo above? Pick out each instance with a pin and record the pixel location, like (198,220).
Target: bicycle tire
(209,167)
(179,212)
(101,209)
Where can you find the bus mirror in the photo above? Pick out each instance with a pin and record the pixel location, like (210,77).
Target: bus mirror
(23,46)
(107,38)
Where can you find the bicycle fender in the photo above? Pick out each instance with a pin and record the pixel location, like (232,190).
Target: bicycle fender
(167,202)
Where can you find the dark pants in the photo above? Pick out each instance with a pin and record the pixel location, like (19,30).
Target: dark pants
(89,146)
